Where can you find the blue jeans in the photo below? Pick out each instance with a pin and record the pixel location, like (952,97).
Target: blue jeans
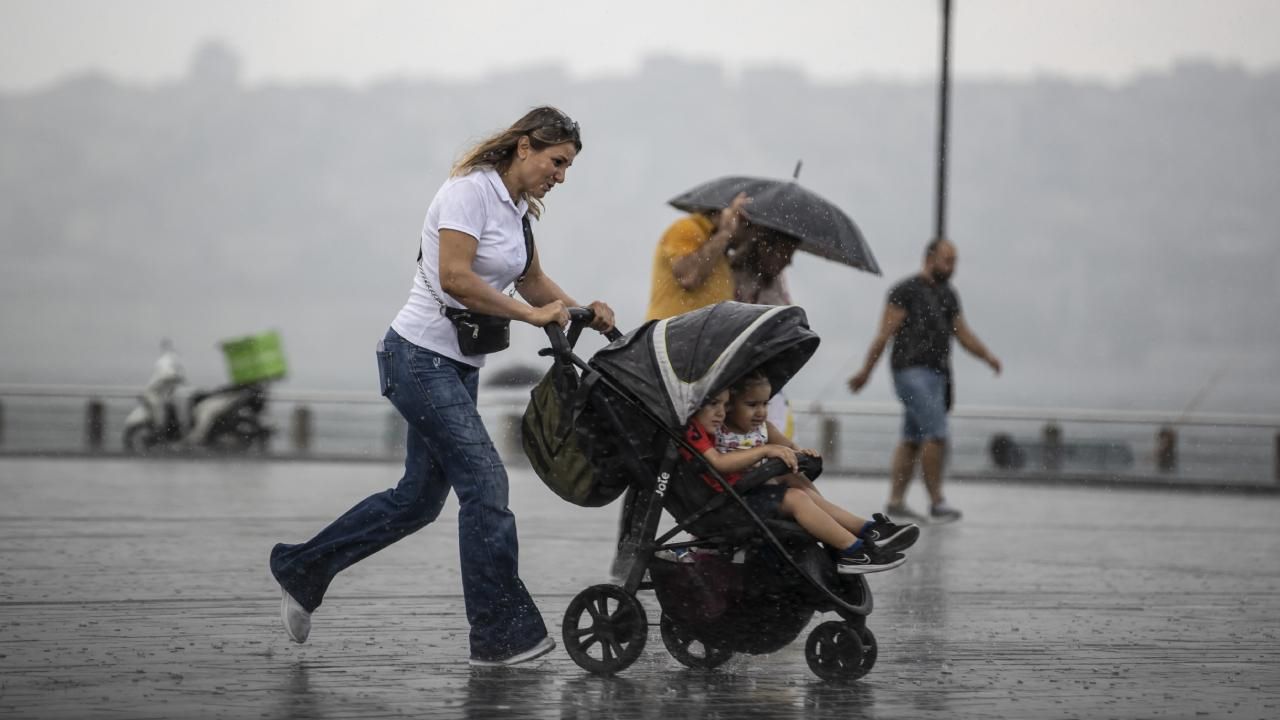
(448,447)
(923,392)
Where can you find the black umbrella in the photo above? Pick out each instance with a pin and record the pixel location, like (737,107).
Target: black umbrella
(787,207)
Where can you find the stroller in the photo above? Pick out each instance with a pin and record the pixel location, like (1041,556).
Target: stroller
(595,431)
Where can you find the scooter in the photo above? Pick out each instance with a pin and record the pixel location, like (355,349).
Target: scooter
(228,419)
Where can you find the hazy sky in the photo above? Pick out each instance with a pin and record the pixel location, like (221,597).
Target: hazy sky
(355,42)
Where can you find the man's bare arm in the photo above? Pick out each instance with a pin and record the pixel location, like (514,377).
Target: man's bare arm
(970,342)
(693,269)
(890,322)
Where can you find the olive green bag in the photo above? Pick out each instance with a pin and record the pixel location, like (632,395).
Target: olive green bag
(558,438)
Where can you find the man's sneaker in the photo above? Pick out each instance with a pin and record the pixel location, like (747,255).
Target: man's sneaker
(543,647)
(867,559)
(296,620)
(890,536)
(942,512)
(901,510)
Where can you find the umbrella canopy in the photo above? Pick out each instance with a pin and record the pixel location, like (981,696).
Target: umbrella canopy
(672,365)
(787,207)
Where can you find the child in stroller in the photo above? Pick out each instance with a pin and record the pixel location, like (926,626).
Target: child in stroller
(732,432)
(596,430)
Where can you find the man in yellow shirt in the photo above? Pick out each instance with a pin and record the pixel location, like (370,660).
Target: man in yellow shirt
(691,268)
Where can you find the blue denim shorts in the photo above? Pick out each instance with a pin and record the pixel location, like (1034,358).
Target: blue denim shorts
(923,392)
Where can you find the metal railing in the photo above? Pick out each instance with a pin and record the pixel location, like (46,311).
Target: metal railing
(1203,449)
(1058,444)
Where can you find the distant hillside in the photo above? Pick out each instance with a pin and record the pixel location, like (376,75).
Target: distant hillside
(1119,245)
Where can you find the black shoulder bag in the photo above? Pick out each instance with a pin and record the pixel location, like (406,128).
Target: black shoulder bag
(480,334)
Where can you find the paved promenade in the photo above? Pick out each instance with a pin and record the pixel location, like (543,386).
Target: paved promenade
(140,590)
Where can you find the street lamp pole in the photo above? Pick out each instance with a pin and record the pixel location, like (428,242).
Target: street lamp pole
(944,102)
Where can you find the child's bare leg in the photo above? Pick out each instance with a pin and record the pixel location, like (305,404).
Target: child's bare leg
(800,506)
(847,520)
(797,481)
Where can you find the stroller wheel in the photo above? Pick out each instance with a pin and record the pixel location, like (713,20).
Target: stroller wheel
(605,629)
(868,649)
(835,652)
(688,650)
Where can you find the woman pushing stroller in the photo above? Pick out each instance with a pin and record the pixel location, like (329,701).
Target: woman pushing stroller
(733,433)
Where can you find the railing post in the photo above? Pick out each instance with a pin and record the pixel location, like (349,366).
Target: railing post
(1051,456)
(94,425)
(1278,457)
(397,432)
(1166,449)
(830,442)
(512,450)
(301,429)
(1,423)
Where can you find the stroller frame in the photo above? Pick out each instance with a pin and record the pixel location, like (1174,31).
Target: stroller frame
(836,650)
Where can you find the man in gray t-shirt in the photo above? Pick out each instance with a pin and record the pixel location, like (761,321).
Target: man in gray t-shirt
(921,315)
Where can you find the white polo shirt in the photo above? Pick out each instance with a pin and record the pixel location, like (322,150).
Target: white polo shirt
(479,205)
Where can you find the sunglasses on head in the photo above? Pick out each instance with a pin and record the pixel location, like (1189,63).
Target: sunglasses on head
(564,124)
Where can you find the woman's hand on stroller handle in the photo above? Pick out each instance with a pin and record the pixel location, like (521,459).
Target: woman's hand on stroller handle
(597,315)
(601,319)
(554,313)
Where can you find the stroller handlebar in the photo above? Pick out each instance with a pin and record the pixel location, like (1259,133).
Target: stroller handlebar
(770,468)
(579,317)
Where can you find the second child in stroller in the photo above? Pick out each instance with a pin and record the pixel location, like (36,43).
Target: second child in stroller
(732,432)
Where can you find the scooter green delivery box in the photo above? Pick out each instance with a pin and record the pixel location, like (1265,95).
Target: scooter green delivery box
(255,358)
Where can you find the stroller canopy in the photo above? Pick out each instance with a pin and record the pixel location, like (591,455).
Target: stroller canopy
(673,365)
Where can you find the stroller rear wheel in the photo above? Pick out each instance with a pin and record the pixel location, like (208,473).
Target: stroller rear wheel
(689,650)
(835,652)
(605,629)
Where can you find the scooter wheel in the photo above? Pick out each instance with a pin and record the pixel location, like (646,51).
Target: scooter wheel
(139,439)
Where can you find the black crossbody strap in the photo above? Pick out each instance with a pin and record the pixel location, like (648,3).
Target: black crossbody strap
(528,247)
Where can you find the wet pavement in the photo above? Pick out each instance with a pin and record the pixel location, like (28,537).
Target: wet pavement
(140,590)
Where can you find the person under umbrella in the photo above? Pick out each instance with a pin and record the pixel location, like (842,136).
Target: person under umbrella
(787,207)
(691,263)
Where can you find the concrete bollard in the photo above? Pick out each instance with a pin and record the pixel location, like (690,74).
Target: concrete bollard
(95,425)
(829,443)
(1051,457)
(300,430)
(1,424)
(1278,457)
(1166,449)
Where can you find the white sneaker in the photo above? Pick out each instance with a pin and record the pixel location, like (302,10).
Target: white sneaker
(543,647)
(296,620)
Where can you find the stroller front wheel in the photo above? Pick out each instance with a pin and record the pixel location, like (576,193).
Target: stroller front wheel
(689,650)
(605,629)
(835,652)
(869,651)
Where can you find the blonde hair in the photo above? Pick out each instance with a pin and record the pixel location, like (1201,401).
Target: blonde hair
(544,126)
